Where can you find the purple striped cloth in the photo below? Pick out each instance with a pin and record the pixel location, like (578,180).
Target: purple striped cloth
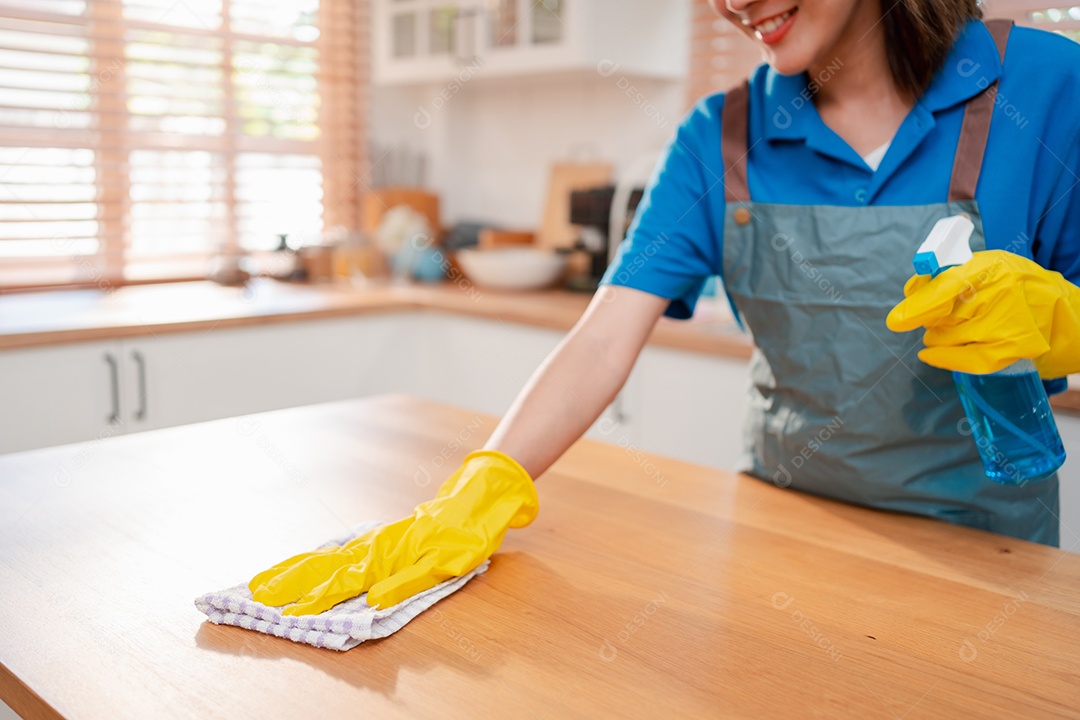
(342,627)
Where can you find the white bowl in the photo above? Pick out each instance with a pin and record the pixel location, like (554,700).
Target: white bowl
(512,268)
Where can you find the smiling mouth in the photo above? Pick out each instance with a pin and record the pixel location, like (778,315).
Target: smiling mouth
(770,24)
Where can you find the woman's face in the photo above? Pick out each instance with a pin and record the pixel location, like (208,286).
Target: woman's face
(795,35)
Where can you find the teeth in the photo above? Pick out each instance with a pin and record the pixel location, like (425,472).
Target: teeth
(772,23)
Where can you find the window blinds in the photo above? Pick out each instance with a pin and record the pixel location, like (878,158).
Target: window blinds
(139,137)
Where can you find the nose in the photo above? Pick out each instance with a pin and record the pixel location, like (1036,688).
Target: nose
(738,6)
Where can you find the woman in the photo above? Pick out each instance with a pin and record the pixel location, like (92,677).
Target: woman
(808,190)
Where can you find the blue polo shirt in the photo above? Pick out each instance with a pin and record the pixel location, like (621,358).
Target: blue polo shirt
(1028,192)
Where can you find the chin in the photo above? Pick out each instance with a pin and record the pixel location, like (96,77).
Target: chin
(787,61)
(788,67)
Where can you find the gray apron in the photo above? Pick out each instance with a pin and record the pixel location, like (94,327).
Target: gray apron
(840,406)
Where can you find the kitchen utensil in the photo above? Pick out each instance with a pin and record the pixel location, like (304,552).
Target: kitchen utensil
(590,213)
(494,238)
(463,235)
(377,203)
(317,262)
(516,268)
(556,230)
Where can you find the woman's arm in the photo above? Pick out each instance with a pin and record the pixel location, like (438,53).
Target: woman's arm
(465,522)
(579,379)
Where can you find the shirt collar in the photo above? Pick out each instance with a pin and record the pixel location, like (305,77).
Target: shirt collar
(972,65)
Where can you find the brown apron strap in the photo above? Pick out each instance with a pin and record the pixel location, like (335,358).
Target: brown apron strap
(976,126)
(733,143)
(974,131)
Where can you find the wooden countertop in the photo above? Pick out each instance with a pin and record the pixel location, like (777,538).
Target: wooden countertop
(36,319)
(48,318)
(646,588)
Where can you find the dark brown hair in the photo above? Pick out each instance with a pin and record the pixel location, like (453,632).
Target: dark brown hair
(918,37)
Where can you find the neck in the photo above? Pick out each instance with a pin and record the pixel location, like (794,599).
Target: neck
(855,71)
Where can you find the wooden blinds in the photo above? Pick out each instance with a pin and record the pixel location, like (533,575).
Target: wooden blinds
(139,137)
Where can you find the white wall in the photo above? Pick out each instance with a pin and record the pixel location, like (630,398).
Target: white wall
(1069,426)
(490,143)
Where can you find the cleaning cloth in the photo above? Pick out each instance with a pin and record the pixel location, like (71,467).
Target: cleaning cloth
(342,627)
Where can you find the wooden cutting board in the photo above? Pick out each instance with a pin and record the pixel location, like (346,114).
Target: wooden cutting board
(555,228)
(378,202)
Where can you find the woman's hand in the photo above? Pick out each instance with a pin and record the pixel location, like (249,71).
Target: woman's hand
(991,311)
(445,537)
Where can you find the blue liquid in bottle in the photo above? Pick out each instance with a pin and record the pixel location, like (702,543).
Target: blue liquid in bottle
(1012,423)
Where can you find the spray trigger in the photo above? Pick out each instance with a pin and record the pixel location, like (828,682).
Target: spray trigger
(946,245)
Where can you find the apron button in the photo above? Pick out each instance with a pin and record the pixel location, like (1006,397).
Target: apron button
(861,195)
(742,216)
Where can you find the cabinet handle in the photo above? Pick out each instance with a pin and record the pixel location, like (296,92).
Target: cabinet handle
(140,367)
(114,377)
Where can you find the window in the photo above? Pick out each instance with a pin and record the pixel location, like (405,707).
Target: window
(720,55)
(1063,19)
(140,137)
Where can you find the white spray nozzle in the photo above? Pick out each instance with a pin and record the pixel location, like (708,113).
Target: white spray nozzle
(946,245)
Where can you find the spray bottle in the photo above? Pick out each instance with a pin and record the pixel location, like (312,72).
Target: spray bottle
(1011,420)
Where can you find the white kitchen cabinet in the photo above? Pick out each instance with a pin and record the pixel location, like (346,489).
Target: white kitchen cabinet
(71,393)
(685,405)
(60,394)
(190,377)
(479,364)
(681,404)
(692,405)
(482,365)
(423,41)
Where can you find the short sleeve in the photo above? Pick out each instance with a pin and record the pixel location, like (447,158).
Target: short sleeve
(671,248)
(1057,239)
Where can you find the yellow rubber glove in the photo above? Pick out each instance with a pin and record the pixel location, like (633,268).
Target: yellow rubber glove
(443,538)
(990,312)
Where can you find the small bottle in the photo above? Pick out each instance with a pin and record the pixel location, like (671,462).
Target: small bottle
(1012,423)
(1010,416)
(285,264)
